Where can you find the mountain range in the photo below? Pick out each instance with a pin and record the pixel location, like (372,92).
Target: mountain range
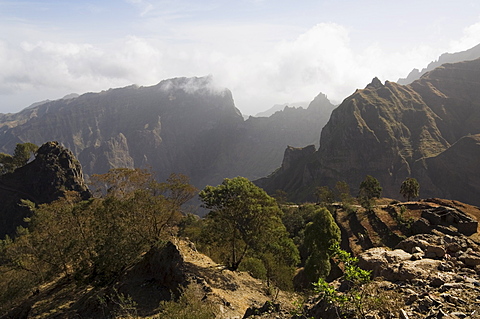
(181,125)
(429,129)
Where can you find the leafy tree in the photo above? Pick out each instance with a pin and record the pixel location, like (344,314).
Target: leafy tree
(320,234)
(410,188)
(325,195)
(369,190)
(280,196)
(22,153)
(245,221)
(342,192)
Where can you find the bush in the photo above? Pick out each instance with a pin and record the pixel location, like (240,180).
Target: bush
(254,267)
(188,306)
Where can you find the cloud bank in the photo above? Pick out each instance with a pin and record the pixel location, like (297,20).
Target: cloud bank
(259,73)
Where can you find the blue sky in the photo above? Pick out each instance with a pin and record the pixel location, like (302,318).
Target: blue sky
(265,51)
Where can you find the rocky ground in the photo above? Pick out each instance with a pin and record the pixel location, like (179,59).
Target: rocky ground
(425,275)
(429,275)
(436,274)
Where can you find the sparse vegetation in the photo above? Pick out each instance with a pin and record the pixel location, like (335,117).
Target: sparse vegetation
(188,306)
(362,296)
(93,241)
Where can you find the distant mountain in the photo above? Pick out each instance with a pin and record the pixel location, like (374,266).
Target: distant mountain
(181,125)
(54,171)
(429,130)
(470,54)
(280,107)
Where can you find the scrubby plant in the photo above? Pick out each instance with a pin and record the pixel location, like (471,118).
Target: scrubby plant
(189,306)
(363,295)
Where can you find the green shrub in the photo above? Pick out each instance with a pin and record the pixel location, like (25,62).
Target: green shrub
(254,267)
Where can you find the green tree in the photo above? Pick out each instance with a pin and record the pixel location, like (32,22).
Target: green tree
(369,190)
(410,188)
(320,234)
(324,195)
(342,192)
(244,221)
(21,155)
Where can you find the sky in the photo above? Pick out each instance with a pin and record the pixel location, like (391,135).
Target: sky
(265,51)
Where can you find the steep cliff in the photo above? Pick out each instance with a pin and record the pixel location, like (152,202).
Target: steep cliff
(182,125)
(54,171)
(392,132)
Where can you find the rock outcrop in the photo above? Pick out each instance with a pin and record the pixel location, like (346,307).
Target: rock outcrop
(428,275)
(427,130)
(54,171)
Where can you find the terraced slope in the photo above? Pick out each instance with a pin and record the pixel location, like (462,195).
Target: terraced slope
(391,222)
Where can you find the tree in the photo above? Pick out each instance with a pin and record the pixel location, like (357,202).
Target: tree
(244,220)
(342,192)
(320,234)
(22,153)
(410,188)
(369,190)
(324,195)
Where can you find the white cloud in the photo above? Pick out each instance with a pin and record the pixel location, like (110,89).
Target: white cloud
(260,67)
(470,38)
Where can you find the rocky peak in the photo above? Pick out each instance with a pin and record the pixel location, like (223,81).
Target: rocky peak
(294,154)
(57,170)
(376,83)
(54,171)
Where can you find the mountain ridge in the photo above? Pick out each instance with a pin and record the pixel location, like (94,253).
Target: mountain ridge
(415,74)
(388,130)
(181,125)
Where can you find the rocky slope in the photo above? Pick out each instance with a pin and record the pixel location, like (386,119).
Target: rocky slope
(54,171)
(161,275)
(424,258)
(181,125)
(391,132)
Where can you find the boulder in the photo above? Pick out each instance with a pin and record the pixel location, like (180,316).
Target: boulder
(378,258)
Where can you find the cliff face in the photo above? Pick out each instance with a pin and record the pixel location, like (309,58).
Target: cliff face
(181,125)
(392,132)
(54,171)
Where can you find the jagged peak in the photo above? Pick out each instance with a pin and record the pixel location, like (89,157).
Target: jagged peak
(376,83)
